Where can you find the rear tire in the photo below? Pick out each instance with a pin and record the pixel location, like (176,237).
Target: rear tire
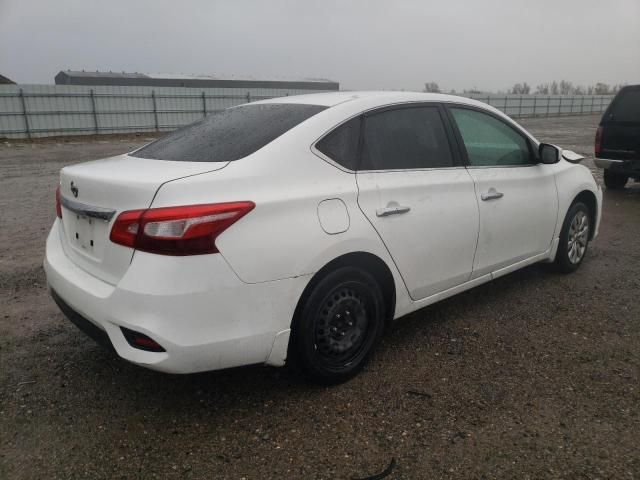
(338,325)
(615,180)
(574,238)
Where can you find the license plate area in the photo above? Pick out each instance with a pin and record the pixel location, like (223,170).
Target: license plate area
(86,235)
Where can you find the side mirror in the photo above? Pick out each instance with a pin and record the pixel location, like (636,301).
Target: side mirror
(548,153)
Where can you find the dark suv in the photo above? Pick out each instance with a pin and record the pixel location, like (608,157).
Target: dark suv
(618,139)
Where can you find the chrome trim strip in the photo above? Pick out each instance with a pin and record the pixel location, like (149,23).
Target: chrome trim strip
(606,163)
(87,210)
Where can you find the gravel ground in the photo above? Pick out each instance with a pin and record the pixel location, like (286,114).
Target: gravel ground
(534,375)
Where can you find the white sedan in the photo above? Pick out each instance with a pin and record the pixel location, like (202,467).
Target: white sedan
(295,229)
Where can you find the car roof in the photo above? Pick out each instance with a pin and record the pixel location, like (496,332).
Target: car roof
(331,99)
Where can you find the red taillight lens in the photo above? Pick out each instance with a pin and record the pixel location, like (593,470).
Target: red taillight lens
(188,230)
(598,147)
(58,204)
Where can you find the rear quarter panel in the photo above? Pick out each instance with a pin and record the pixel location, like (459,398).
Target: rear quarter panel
(282,237)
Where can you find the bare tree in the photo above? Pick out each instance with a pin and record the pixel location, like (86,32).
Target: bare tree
(566,87)
(431,87)
(542,89)
(616,88)
(521,89)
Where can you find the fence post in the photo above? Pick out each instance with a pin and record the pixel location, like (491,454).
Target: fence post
(535,104)
(155,109)
(93,110)
(520,107)
(24,114)
(248,97)
(548,104)
(204,105)
(506,102)
(582,104)
(560,107)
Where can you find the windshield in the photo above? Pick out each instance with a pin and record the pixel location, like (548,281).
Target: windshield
(230,134)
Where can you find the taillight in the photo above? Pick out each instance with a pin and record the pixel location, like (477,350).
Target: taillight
(58,204)
(188,230)
(598,147)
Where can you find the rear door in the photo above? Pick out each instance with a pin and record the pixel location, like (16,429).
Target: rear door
(621,126)
(516,195)
(418,197)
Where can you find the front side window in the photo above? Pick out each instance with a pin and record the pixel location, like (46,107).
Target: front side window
(489,141)
(405,138)
(341,145)
(229,135)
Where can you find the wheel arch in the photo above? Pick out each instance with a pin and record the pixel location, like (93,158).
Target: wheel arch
(589,199)
(366,261)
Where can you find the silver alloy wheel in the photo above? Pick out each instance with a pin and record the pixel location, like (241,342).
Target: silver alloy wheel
(578,237)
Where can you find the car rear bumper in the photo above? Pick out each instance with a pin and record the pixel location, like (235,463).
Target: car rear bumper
(607,163)
(632,167)
(195,307)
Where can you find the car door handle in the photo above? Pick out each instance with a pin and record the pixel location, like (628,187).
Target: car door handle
(492,194)
(392,208)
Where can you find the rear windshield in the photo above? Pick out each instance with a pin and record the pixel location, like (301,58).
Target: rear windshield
(229,135)
(626,106)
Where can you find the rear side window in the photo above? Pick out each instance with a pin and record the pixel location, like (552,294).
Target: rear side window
(405,138)
(626,106)
(341,145)
(229,135)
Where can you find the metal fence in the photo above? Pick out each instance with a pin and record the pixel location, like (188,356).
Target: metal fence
(29,111)
(546,105)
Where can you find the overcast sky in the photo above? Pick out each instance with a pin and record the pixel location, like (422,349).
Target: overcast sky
(393,44)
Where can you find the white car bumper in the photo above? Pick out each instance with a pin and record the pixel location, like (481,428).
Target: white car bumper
(195,307)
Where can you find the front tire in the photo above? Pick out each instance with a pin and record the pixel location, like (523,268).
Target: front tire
(615,180)
(574,238)
(338,325)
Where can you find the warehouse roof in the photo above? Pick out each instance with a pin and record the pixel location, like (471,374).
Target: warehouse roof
(5,80)
(69,77)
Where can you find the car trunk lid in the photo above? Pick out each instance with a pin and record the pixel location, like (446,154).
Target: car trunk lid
(95,193)
(620,126)
(620,141)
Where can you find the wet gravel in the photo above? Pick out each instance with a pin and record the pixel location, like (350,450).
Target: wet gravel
(534,375)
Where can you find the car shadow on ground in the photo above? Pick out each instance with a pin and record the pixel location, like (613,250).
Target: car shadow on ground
(79,365)
(83,366)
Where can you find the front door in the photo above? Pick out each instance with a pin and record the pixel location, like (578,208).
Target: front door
(516,195)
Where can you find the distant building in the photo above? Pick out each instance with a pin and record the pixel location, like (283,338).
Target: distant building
(5,81)
(69,77)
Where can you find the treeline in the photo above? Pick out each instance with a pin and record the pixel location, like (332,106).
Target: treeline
(563,87)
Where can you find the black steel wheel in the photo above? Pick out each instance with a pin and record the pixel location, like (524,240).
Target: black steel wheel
(338,325)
